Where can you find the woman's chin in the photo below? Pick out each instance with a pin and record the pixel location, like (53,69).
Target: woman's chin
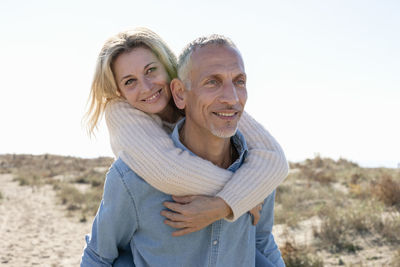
(155,108)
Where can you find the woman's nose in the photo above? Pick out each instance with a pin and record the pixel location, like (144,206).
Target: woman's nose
(147,85)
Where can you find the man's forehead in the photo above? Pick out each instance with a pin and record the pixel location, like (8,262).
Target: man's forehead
(216,57)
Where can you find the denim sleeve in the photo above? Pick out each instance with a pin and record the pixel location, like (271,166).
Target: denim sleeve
(268,253)
(114,224)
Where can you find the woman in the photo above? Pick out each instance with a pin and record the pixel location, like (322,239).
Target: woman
(131,85)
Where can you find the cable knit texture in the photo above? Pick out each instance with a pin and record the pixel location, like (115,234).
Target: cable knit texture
(141,142)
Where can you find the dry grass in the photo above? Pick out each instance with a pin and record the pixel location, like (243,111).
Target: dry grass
(47,166)
(323,170)
(340,227)
(295,203)
(299,256)
(92,177)
(86,202)
(388,190)
(358,207)
(71,197)
(333,233)
(29,179)
(64,174)
(388,227)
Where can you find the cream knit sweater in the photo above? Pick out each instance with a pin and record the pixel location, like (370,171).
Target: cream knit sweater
(140,141)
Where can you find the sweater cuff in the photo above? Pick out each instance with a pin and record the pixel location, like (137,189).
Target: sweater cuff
(233,202)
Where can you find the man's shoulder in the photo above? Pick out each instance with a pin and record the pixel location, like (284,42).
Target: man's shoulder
(120,166)
(122,174)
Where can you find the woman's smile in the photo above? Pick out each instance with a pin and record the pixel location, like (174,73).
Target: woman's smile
(154,97)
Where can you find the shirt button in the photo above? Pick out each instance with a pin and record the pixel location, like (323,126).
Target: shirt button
(215,242)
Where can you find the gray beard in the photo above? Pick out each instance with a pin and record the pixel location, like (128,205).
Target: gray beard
(223,134)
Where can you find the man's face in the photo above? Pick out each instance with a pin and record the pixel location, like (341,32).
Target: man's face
(216,100)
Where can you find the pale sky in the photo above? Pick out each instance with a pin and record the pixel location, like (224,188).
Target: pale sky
(323,76)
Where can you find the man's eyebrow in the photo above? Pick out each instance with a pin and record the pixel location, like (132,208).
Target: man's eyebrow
(241,75)
(127,76)
(210,75)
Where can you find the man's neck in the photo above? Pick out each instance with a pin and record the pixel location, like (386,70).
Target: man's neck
(207,146)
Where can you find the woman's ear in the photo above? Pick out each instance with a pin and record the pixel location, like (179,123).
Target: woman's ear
(178,93)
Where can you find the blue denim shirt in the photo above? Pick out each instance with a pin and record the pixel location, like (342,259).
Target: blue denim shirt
(128,229)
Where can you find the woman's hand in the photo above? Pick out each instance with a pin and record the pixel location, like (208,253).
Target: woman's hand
(193,213)
(256,213)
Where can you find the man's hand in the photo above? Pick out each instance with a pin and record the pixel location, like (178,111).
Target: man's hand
(255,212)
(193,213)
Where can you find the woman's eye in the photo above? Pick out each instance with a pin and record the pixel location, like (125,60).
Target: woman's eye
(150,70)
(129,82)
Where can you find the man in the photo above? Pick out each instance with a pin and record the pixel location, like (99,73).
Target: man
(212,91)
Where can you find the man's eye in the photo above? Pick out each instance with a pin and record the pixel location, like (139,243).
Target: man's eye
(130,82)
(241,82)
(212,82)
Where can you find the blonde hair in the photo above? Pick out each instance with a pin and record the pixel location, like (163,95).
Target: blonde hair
(104,88)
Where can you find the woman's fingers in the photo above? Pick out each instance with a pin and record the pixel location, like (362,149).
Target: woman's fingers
(177,207)
(256,213)
(177,225)
(194,213)
(176,217)
(183,199)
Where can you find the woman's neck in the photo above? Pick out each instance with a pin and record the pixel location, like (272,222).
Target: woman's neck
(170,113)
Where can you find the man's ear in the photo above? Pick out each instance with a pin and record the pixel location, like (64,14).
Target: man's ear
(178,93)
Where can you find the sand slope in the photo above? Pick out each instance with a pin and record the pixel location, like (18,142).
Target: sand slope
(34,230)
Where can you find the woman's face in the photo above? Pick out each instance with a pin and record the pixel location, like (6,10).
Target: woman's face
(142,80)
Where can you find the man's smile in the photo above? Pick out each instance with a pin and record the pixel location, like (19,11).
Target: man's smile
(226,114)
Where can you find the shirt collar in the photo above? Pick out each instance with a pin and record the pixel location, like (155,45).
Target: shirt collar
(237,140)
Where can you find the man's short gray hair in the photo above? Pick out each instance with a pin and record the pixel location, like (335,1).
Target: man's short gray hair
(184,60)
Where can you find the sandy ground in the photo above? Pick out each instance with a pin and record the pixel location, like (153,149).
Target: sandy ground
(34,230)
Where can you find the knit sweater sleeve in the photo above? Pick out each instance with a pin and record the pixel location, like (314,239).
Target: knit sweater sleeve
(147,149)
(264,169)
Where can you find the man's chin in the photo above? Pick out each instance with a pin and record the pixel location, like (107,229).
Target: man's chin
(224,133)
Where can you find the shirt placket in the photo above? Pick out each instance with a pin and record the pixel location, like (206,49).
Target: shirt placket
(215,241)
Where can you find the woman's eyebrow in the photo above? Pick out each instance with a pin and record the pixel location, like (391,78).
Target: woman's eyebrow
(126,76)
(148,64)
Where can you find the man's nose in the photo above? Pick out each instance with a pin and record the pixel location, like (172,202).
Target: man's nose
(229,94)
